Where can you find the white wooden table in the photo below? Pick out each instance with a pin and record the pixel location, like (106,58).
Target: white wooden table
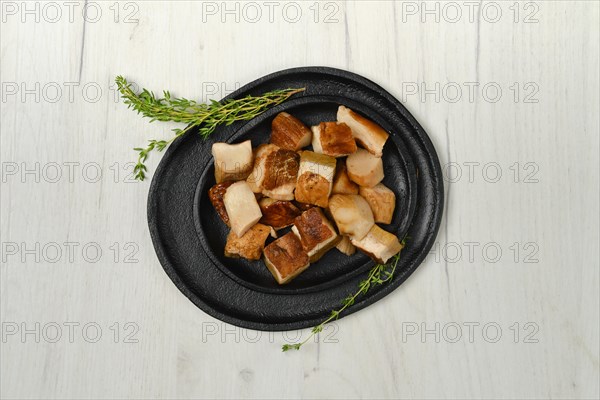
(507,303)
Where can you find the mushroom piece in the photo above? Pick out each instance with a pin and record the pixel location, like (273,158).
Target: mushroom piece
(315,178)
(378,244)
(382,201)
(333,138)
(242,207)
(345,246)
(351,214)
(257,176)
(364,168)
(249,246)
(288,132)
(277,213)
(315,232)
(285,258)
(233,162)
(341,182)
(281,170)
(215,194)
(367,133)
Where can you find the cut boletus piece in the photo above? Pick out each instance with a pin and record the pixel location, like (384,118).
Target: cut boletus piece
(288,132)
(341,182)
(281,171)
(316,233)
(382,201)
(364,168)
(215,194)
(233,162)
(366,132)
(351,214)
(277,213)
(378,244)
(242,207)
(257,176)
(250,246)
(286,258)
(345,246)
(333,139)
(315,178)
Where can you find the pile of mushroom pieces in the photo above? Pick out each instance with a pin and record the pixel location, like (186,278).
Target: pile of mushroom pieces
(330,196)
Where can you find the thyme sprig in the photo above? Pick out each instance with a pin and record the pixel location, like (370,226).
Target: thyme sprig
(205,116)
(378,275)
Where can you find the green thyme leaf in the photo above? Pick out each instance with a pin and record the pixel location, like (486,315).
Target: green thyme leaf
(373,278)
(206,116)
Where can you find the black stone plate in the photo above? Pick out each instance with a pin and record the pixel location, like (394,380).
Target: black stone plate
(189,237)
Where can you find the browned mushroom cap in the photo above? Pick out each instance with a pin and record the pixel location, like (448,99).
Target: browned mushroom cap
(281,170)
(250,246)
(285,258)
(316,233)
(315,178)
(215,194)
(257,176)
(333,138)
(277,213)
(366,132)
(288,132)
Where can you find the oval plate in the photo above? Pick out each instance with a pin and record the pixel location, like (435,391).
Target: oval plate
(189,237)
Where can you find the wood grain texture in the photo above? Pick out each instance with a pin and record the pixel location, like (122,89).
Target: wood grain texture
(541,135)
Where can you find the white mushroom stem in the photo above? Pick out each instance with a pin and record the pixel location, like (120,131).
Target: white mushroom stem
(352,214)
(242,207)
(364,168)
(233,162)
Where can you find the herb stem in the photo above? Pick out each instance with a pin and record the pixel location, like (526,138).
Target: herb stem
(206,116)
(374,278)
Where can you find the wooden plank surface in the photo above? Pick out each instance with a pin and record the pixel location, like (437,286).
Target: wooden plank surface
(507,303)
